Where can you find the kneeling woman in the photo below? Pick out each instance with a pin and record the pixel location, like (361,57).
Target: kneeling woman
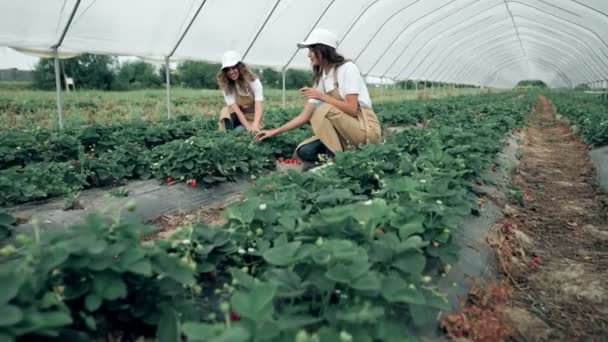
(339,108)
(243,94)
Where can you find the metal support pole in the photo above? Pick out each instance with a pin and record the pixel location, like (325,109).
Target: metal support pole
(381,91)
(283,72)
(168,80)
(58,86)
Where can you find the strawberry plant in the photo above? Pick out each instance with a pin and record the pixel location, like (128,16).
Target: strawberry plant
(589,114)
(90,280)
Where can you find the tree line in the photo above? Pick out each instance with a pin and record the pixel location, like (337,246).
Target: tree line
(106,73)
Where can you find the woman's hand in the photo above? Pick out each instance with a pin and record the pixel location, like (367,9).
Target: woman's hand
(265,134)
(312,93)
(255,127)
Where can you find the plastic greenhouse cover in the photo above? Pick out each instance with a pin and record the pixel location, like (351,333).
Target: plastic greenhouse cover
(481,42)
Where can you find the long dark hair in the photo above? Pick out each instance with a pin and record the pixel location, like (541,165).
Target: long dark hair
(325,54)
(229,86)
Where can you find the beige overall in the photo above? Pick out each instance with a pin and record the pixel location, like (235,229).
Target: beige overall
(247,105)
(339,131)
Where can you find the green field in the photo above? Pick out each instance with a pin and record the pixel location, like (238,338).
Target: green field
(21,108)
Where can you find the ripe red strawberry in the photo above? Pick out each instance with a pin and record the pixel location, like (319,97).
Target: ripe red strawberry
(588,148)
(169,180)
(518,130)
(280,159)
(537,260)
(191,183)
(234,316)
(507,227)
(494,168)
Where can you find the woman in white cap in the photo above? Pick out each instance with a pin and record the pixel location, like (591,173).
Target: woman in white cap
(243,94)
(339,108)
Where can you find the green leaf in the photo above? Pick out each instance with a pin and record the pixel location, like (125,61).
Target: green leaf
(288,222)
(370,281)
(7,219)
(92,302)
(243,278)
(256,303)
(411,228)
(347,273)
(413,242)
(282,255)
(109,286)
(203,332)
(168,327)
(233,334)
(10,315)
(411,262)
(422,314)
(50,320)
(142,267)
(9,286)
(296,322)
(396,290)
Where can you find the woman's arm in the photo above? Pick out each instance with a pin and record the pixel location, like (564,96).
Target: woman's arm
(296,122)
(350,106)
(239,114)
(259,114)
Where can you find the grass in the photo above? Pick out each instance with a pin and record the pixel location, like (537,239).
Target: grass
(22,108)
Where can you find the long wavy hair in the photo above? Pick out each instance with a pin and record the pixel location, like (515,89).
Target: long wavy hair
(326,54)
(229,86)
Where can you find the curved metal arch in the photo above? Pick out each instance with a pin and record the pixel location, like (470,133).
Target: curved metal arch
(540,57)
(591,8)
(384,24)
(487,41)
(540,41)
(181,38)
(255,38)
(515,27)
(491,40)
(536,54)
(552,51)
(543,23)
(356,21)
(473,68)
(497,70)
(466,39)
(437,66)
(563,19)
(543,27)
(449,28)
(432,50)
(540,63)
(309,31)
(435,22)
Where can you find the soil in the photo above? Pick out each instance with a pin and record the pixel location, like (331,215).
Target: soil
(552,247)
(170,224)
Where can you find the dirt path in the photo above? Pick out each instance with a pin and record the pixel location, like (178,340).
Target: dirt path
(555,245)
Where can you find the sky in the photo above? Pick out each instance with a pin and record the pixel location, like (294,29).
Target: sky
(10,58)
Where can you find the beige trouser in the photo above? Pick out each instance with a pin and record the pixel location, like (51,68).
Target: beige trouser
(339,131)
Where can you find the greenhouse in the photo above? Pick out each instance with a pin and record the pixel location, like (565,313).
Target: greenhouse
(322,170)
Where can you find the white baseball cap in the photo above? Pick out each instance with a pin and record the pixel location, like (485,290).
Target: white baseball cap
(320,36)
(230,58)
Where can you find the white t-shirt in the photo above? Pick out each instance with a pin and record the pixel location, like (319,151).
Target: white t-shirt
(350,81)
(256,87)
